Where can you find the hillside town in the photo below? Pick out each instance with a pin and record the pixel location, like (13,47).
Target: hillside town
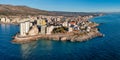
(53,28)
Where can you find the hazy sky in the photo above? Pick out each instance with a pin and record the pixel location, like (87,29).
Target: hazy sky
(69,5)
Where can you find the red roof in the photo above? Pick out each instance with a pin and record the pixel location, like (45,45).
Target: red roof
(72,22)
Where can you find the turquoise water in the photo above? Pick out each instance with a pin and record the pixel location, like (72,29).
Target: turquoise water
(106,48)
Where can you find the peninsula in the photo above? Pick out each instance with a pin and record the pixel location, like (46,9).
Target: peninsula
(57,28)
(38,24)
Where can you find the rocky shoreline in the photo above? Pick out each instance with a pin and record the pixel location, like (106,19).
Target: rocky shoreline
(73,37)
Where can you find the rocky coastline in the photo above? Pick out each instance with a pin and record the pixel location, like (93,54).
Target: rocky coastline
(70,36)
(58,37)
(81,35)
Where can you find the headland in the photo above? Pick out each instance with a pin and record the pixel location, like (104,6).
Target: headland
(74,29)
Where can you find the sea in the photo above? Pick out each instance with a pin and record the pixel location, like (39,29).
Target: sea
(99,48)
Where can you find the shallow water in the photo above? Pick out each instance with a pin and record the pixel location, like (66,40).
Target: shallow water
(106,48)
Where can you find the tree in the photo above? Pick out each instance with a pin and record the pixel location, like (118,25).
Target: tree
(60,30)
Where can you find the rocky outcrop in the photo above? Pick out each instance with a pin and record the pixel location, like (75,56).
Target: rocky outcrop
(57,37)
(63,38)
(33,31)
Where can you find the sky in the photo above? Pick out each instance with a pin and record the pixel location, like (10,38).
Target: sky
(69,5)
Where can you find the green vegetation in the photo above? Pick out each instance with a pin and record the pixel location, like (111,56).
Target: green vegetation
(60,30)
(80,33)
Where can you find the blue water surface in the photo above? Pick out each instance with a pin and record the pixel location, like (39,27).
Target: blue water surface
(105,48)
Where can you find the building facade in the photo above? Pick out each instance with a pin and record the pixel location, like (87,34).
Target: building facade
(27,27)
(43,30)
(22,29)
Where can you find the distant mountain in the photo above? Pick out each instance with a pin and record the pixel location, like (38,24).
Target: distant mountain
(24,10)
(21,10)
(77,13)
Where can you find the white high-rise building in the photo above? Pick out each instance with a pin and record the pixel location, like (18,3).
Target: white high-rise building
(43,29)
(27,26)
(22,29)
(39,22)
